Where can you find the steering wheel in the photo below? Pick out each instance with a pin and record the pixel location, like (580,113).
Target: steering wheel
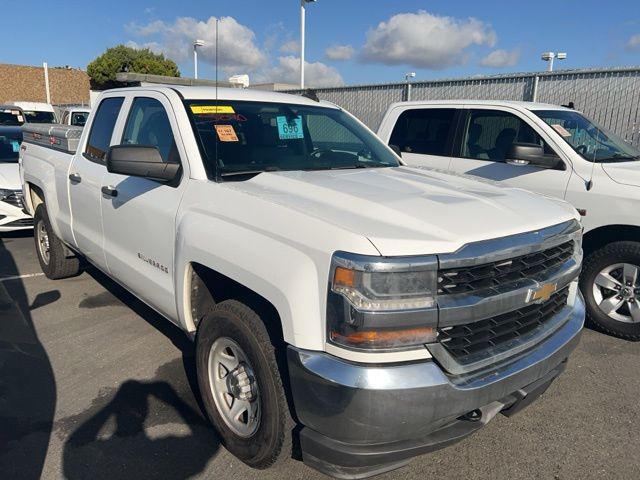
(318,152)
(581,149)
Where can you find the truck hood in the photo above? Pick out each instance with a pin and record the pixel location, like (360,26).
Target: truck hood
(409,211)
(9,176)
(625,173)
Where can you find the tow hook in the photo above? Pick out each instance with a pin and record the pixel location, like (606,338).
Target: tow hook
(472,416)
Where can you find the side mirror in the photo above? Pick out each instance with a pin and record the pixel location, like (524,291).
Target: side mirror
(140,161)
(532,154)
(396,149)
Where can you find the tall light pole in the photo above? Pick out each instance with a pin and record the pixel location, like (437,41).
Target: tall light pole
(196,44)
(302,15)
(549,56)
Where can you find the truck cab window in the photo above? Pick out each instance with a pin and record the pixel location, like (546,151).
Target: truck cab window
(425,130)
(490,133)
(148,124)
(102,129)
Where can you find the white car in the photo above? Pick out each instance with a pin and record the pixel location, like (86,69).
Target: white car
(12,216)
(76,116)
(551,150)
(35,112)
(324,283)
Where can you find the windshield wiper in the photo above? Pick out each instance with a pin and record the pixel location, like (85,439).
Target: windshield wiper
(237,173)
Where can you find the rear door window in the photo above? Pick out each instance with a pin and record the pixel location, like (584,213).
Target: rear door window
(424,130)
(102,129)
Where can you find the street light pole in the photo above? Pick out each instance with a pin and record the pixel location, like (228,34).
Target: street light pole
(196,44)
(550,56)
(408,76)
(302,22)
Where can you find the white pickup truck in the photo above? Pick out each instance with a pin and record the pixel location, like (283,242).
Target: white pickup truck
(552,150)
(340,301)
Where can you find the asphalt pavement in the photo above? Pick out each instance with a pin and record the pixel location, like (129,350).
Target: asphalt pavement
(95,385)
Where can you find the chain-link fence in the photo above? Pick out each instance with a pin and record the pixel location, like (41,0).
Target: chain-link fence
(611,97)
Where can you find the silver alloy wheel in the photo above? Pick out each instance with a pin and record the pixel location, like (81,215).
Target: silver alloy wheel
(617,293)
(234,387)
(43,242)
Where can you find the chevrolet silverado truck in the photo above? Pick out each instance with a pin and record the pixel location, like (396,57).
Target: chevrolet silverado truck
(551,150)
(342,305)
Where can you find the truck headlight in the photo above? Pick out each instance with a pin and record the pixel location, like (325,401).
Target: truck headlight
(382,303)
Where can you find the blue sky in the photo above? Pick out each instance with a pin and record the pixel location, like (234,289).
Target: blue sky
(348,41)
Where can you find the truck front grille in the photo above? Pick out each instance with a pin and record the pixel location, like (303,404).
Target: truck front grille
(23,222)
(465,341)
(495,274)
(15,199)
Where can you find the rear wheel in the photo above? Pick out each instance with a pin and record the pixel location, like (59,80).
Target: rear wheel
(52,255)
(610,282)
(241,385)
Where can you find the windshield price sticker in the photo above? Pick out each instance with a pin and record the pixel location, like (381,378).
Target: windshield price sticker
(561,130)
(290,128)
(226,133)
(204,109)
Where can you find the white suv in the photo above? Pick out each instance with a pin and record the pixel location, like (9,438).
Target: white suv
(554,151)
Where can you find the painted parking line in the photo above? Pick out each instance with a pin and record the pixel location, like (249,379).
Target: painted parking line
(19,277)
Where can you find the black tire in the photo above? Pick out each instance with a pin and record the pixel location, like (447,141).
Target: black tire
(58,265)
(272,441)
(594,263)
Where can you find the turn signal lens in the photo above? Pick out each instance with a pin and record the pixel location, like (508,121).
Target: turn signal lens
(344,277)
(385,338)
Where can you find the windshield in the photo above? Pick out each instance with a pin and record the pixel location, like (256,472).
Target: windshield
(39,117)
(11,117)
(593,142)
(10,146)
(251,137)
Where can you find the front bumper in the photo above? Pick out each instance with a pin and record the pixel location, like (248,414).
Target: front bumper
(360,420)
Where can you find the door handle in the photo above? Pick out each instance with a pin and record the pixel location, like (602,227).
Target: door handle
(75,178)
(109,191)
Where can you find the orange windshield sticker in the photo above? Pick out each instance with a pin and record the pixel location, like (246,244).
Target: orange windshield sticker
(226,133)
(203,109)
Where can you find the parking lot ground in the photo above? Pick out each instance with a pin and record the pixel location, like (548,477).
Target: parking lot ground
(93,385)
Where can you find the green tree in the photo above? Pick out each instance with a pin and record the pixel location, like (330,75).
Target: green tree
(102,71)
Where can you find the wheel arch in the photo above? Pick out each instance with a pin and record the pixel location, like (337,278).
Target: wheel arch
(206,287)
(601,236)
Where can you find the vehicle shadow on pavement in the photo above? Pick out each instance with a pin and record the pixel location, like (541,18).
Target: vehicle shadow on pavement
(127,438)
(141,429)
(27,382)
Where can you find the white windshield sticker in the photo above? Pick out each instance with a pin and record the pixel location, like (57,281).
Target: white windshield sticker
(561,130)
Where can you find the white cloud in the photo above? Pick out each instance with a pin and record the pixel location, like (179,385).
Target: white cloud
(425,40)
(339,52)
(238,52)
(501,58)
(291,46)
(287,70)
(153,46)
(633,44)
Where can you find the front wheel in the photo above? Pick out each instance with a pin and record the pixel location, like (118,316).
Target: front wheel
(610,283)
(241,385)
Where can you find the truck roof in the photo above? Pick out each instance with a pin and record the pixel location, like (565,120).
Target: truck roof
(514,103)
(223,93)
(32,106)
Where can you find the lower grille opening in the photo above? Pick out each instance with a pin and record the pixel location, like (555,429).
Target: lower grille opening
(23,222)
(465,341)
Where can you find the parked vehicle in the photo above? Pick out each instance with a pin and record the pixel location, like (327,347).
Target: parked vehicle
(35,112)
(10,116)
(76,116)
(11,215)
(554,151)
(323,282)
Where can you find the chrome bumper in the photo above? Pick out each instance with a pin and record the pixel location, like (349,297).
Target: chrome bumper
(360,420)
